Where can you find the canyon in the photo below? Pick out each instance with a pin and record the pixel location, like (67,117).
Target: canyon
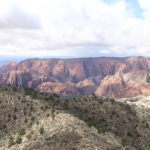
(105,76)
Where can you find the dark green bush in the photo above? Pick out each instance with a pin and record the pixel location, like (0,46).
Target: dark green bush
(19,139)
(41,130)
(124,141)
(22,131)
(11,141)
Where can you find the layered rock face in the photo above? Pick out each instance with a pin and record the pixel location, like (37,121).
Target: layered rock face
(112,77)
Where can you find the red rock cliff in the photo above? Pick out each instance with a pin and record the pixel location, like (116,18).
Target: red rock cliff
(113,77)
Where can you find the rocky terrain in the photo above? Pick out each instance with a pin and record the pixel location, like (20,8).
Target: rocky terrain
(37,121)
(139,101)
(110,77)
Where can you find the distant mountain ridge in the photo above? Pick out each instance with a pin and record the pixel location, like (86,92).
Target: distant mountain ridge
(104,76)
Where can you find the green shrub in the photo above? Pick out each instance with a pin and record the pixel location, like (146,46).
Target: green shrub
(29,136)
(19,139)
(41,130)
(30,124)
(9,115)
(48,115)
(31,108)
(25,120)
(112,100)
(15,109)
(32,118)
(22,131)
(11,141)
(42,108)
(124,141)
(14,117)
(14,88)
(65,105)
(54,95)
(53,116)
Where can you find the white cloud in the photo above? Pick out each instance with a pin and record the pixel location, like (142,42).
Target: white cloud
(72,28)
(104,51)
(16,18)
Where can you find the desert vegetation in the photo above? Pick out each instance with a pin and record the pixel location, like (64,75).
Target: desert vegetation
(27,115)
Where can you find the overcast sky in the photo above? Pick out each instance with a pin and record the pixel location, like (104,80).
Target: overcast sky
(74,28)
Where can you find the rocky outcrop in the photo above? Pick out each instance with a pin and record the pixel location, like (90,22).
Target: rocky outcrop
(113,77)
(9,67)
(129,84)
(19,78)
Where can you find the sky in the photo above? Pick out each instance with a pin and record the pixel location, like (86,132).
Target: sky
(74,28)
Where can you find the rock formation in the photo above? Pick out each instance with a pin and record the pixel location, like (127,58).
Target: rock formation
(113,77)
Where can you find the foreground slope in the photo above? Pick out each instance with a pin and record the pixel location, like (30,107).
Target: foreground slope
(111,77)
(32,120)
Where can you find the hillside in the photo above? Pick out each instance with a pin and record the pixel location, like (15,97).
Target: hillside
(110,77)
(32,120)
